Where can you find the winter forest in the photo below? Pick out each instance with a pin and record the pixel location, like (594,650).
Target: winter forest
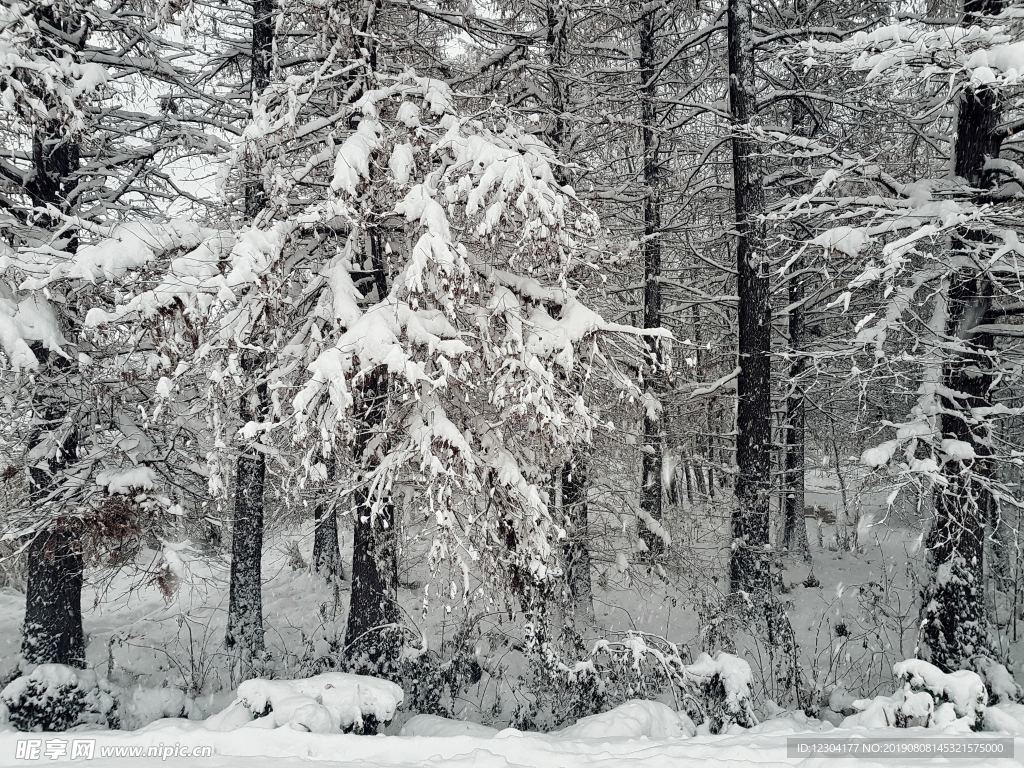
(519,383)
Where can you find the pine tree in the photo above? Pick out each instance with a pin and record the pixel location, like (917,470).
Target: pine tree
(750,566)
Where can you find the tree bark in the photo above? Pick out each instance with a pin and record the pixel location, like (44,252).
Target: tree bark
(794,530)
(577,549)
(326,549)
(750,566)
(574,475)
(955,627)
(52,630)
(794,527)
(371,638)
(652,449)
(245,599)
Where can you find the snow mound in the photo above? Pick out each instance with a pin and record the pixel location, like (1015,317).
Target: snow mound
(633,720)
(1006,717)
(433,725)
(141,706)
(327,703)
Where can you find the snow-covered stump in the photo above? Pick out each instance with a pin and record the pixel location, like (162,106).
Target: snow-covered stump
(326,703)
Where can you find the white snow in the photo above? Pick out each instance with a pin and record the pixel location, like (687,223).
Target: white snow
(879,455)
(353,159)
(436,726)
(847,240)
(324,703)
(632,720)
(127,480)
(957,450)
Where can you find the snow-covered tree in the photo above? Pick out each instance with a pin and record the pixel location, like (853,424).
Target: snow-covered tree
(944,240)
(85,143)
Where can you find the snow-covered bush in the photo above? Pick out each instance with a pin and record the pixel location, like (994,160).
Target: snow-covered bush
(715,690)
(724,682)
(433,680)
(963,689)
(327,703)
(927,698)
(1002,688)
(54,697)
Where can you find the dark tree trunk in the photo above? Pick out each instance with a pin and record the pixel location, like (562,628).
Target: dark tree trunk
(245,600)
(371,637)
(326,549)
(651,447)
(750,567)
(53,599)
(52,630)
(577,549)
(794,527)
(574,474)
(955,627)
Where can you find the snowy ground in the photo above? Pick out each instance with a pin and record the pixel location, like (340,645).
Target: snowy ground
(853,621)
(763,746)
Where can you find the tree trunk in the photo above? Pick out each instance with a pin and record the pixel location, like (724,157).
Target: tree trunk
(794,530)
(326,549)
(574,473)
(577,549)
(52,630)
(651,456)
(794,527)
(750,567)
(52,633)
(955,627)
(245,600)
(371,638)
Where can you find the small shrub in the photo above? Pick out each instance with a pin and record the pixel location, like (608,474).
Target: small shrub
(54,697)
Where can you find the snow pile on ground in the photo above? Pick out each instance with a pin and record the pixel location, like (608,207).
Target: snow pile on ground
(436,726)
(928,698)
(326,703)
(764,745)
(140,706)
(634,719)
(54,697)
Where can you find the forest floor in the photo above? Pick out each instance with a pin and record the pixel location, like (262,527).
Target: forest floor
(764,745)
(161,623)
